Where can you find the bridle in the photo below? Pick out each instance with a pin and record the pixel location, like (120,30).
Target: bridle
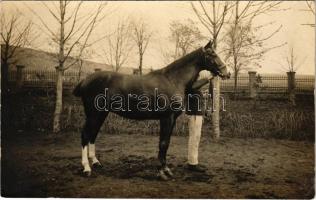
(219,68)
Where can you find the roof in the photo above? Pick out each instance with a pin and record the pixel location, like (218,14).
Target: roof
(33,59)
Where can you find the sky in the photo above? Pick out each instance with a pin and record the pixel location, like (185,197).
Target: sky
(159,15)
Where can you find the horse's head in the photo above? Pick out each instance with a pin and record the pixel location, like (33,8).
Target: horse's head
(213,63)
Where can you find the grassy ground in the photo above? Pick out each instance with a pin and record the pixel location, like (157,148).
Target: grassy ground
(40,165)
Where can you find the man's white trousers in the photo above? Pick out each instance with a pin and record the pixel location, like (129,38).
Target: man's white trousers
(195,129)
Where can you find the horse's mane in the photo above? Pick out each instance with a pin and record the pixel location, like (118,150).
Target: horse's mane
(179,62)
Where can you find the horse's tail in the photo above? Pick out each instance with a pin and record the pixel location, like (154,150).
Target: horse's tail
(77,90)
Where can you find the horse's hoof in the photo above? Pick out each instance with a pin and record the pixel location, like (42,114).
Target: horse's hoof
(97,165)
(161,174)
(168,171)
(87,173)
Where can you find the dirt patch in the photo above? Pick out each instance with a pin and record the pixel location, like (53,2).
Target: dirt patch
(39,165)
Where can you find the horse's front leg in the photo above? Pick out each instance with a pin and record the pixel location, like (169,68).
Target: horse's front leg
(166,128)
(84,156)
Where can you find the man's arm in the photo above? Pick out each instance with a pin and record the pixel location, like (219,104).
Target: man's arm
(200,83)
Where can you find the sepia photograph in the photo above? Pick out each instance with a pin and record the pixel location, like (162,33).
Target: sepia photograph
(158,99)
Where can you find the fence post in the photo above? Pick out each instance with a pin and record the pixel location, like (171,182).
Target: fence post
(252,84)
(19,76)
(291,86)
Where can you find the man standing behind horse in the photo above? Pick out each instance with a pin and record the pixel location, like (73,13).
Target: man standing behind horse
(195,111)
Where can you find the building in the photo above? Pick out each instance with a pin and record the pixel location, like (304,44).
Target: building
(37,60)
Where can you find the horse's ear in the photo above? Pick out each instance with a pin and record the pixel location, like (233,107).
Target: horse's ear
(209,45)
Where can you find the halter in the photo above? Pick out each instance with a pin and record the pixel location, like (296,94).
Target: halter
(219,68)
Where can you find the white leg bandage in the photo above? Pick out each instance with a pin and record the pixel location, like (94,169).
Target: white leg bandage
(92,153)
(85,161)
(195,129)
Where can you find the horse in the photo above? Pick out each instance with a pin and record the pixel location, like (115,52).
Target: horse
(103,92)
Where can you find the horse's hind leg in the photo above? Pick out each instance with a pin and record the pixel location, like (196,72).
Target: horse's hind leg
(88,136)
(166,128)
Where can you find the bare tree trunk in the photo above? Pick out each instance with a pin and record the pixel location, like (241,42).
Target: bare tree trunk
(60,72)
(141,65)
(216,108)
(216,95)
(291,87)
(235,84)
(59,101)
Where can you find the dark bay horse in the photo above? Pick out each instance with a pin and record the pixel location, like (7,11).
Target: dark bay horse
(155,96)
